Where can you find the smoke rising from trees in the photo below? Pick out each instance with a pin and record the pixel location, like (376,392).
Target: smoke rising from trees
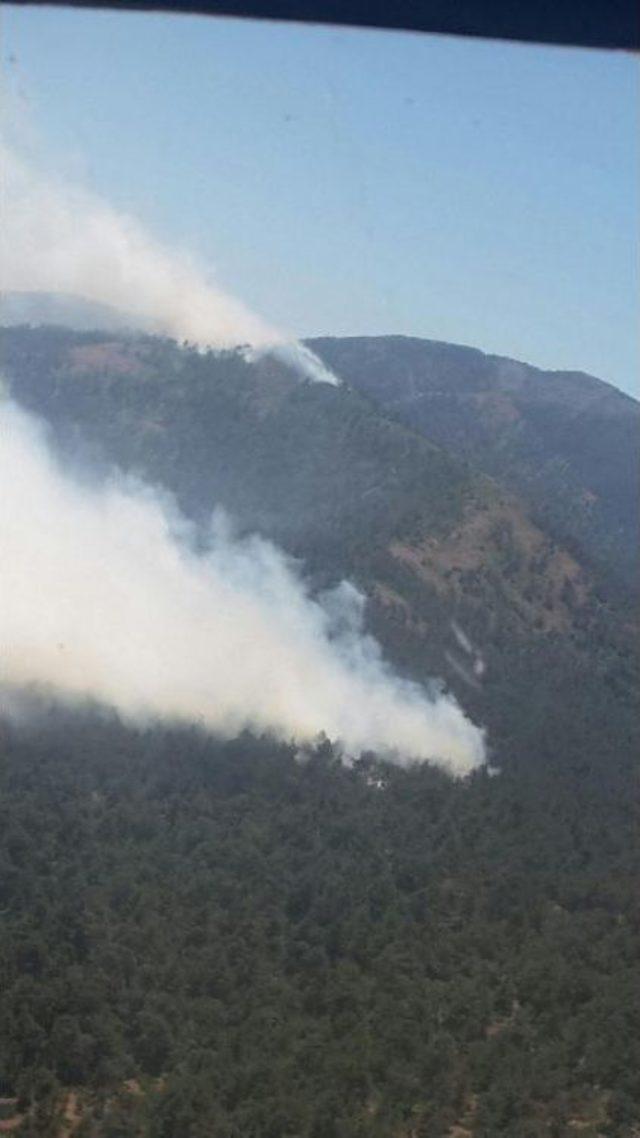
(105,597)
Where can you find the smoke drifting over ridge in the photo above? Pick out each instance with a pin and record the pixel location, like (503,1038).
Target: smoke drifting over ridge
(59,238)
(103,597)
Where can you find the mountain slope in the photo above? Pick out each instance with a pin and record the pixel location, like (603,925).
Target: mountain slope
(323,472)
(201,938)
(215,937)
(300,461)
(316,468)
(566,441)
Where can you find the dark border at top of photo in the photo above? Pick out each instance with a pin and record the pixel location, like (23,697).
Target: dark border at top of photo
(583,23)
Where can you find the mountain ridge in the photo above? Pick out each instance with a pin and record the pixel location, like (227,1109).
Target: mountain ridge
(324,473)
(80,314)
(564,441)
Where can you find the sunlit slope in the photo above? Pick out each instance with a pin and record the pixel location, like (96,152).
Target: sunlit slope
(353,493)
(300,461)
(322,470)
(566,441)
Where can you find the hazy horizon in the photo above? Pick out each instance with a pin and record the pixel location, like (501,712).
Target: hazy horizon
(343,182)
(117,322)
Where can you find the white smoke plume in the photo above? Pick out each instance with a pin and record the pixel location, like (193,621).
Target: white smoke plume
(59,238)
(473,667)
(104,597)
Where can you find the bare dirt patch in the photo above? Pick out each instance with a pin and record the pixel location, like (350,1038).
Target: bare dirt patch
(9,1119)
(71,1115)
(112,357)
(544,582)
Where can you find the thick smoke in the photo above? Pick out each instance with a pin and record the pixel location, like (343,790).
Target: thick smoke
(104,597)
(59,238)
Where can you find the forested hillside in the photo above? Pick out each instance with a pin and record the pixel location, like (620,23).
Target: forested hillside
(326,474)
(239,940)
(566,441)
(223,940)
(298,461)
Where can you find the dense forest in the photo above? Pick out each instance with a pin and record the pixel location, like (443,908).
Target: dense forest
(566,441)
(236,939)
(243,939)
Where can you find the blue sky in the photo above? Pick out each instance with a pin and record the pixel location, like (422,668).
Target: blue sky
(353,182)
